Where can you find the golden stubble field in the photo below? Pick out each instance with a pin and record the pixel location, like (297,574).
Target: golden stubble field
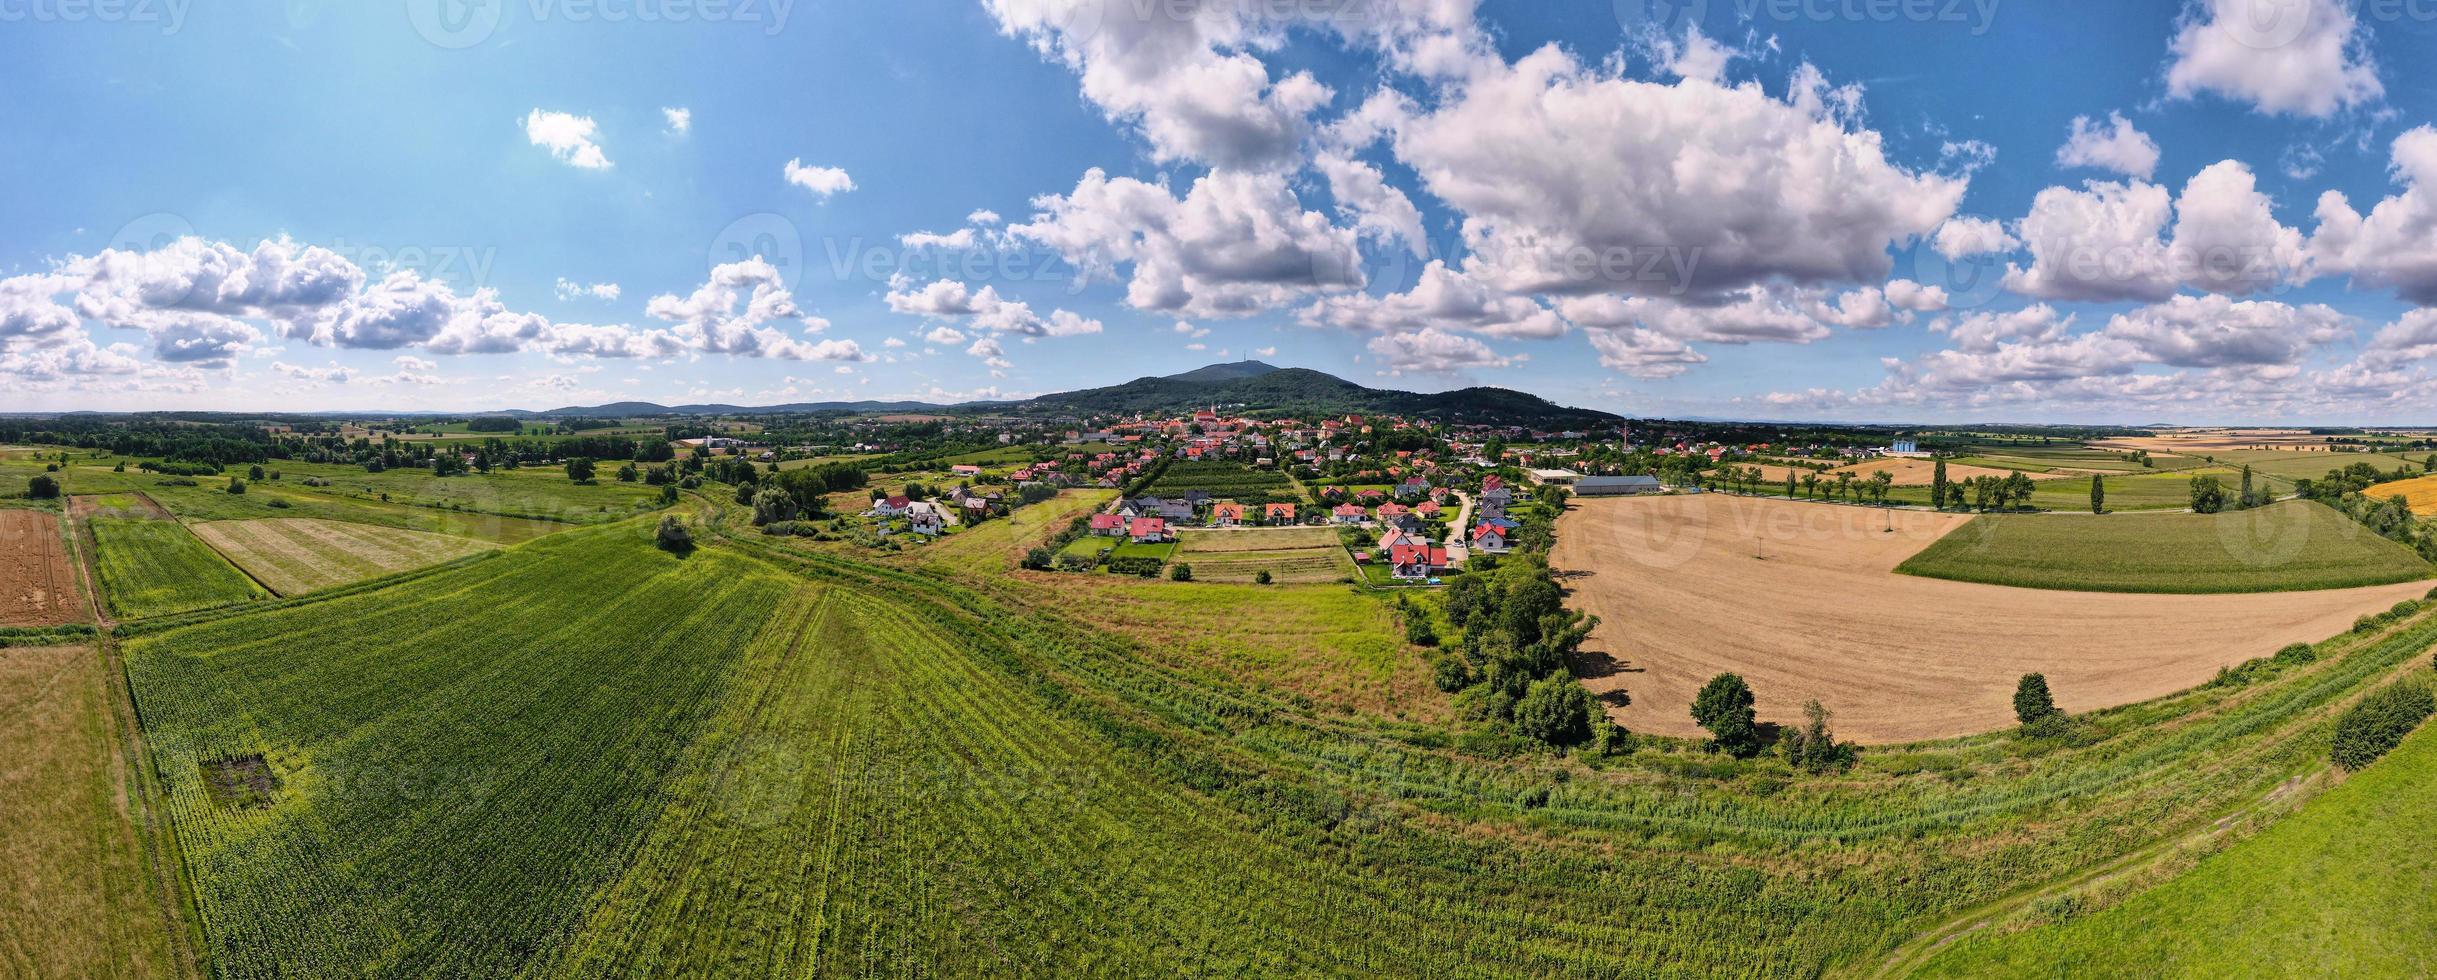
(1802,600)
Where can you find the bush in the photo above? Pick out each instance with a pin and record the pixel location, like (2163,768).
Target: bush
(1557,711)
(1144,567)
(1418,631)
(42,488)
(2379,723)
(278,502)
(2296,653)
(1813,748)
(1181,573)
(1261,577)
(253,473)
(1039,559)
(673,536)
(236,485)
(1452,674)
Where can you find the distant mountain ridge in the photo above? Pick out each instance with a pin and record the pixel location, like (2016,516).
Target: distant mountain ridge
(1245,385)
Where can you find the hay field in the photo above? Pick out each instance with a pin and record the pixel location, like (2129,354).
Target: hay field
(1803,601)
(2420,493)
(297,555)
(1920,472)
(75,899)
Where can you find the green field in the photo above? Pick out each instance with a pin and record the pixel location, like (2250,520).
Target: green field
(586,757)
(2290,546)
(2132,491)
(1225,481)
(2340,889)
(534,492)
(154,568)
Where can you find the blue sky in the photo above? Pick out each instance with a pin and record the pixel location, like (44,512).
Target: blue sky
(417,204)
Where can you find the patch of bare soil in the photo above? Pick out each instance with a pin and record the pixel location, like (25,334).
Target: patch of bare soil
(37,577)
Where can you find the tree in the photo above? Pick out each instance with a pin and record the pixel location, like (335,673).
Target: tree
(1814,748)
(254,473)
(772,504)
(236,485)
(672,536)
(1557,711)
(1789,484)
(1180,572)
(1810,485)
(42,487)
(1724,707)
(2098,494)
(1937,486)
(1261,577)
(579,469)
(2018,489)
(1039,559)
(2208,495)
(627,473)
(2032,701)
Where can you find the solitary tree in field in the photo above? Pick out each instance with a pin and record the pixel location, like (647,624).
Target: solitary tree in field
(1724,707)
(1937,487)
(2208,495)
(579,470)
(41,487)
(2032,701)
(2098,494)
(672,535)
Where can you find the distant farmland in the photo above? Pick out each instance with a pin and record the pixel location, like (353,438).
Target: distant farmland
(2291,546)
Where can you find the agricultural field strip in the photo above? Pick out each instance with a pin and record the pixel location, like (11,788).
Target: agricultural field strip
(39,583)
(157,567)
(303,702)
(299,555)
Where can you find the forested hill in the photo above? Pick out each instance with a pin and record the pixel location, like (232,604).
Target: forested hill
(1251,387)
(1261,389)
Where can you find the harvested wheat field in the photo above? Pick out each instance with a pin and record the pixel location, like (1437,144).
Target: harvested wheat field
(2418,493)
(37,578)
(294,555)
(1802,600)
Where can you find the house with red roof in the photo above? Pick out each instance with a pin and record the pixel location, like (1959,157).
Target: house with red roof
(1428,508)
(1416,560)
(1108,525)
(1346,513)
(1147,530)
(1279,513)
(1490,539)
(891,506)
(1228,514)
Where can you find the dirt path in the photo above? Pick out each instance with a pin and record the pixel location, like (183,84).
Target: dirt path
(1802,600)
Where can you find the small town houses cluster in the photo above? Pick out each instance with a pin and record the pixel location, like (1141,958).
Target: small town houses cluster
(1429,497)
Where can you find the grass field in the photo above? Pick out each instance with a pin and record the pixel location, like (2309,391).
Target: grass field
(294,556)
(2132,491)
(2290,546)
(75,900)
(2419,493)
(537,492)
(762,761)
(1289,555)
(2338,890)
(154,568)
(1225,481)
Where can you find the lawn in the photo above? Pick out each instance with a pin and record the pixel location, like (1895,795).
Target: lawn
(2292,546)
(154,568)
(297,555)
(2340,889)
